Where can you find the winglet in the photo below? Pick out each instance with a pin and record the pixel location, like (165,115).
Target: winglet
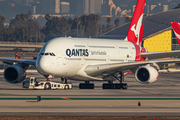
(133,34)
(176,28)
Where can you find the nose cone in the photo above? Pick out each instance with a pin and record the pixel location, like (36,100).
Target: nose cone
(43,66)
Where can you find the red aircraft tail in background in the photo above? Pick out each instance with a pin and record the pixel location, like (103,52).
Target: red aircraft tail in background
(176,28)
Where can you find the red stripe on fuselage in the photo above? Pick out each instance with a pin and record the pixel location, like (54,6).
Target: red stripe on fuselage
(139,50)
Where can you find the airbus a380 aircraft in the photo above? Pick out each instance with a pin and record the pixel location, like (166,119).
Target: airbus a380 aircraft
(95,59)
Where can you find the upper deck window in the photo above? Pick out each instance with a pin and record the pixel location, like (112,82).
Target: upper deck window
(102,46)
(123,47)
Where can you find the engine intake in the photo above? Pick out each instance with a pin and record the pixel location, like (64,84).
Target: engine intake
(146,74)
(14,74)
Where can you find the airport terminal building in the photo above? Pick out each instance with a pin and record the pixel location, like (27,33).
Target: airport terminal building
(158,34)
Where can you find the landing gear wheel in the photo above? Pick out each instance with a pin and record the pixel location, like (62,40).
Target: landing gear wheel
(86,86)
(47,86)
(66,87)
(108,86)
(114,86)
(124,86)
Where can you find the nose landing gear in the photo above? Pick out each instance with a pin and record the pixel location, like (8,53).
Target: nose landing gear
(48,77)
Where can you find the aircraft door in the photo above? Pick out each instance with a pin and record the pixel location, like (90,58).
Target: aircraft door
(82,60)
(61,59)
(131,53)
(64,59)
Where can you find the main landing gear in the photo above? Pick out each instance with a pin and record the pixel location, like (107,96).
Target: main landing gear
(86,85)
(120,78)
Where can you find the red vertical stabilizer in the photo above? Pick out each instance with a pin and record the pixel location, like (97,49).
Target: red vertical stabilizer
(133,34)
(176,28)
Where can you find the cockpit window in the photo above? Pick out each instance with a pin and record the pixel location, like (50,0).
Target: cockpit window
(52,54)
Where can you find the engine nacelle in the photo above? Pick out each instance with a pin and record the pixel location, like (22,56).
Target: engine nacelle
(146,74)
(14,74)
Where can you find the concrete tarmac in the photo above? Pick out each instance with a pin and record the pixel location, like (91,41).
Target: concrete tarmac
(161,98)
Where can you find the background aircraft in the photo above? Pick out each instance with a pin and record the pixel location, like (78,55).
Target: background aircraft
(176,28)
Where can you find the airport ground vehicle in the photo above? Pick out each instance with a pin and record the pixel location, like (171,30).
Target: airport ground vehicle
(32,83)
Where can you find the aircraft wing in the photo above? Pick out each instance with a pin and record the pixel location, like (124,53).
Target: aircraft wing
(96,70)
(22,61)
(158,55)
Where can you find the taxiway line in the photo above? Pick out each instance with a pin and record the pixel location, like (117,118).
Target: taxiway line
(91,98)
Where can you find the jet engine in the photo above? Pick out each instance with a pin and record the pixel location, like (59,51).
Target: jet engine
(14,74)
(146,74)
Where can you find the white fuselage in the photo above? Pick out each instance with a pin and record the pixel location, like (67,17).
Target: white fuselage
(68,57)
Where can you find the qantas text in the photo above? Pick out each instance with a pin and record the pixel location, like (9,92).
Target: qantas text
(77,52)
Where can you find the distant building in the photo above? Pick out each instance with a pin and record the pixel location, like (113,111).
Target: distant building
(98,6)
(105,8)
(77,7)
(46,7)
(57,6)
(86,7)
(65,7)
(34,9)
(165,8)
(49,7)
(92,6)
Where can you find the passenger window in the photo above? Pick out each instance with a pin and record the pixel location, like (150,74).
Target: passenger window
(58,85)
(54,85)
(42,53)
(46,53)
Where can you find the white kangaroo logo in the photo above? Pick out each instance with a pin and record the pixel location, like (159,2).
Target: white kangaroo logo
(138,27)
(134,30)
(177,35)
(175,31)
(137,30)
